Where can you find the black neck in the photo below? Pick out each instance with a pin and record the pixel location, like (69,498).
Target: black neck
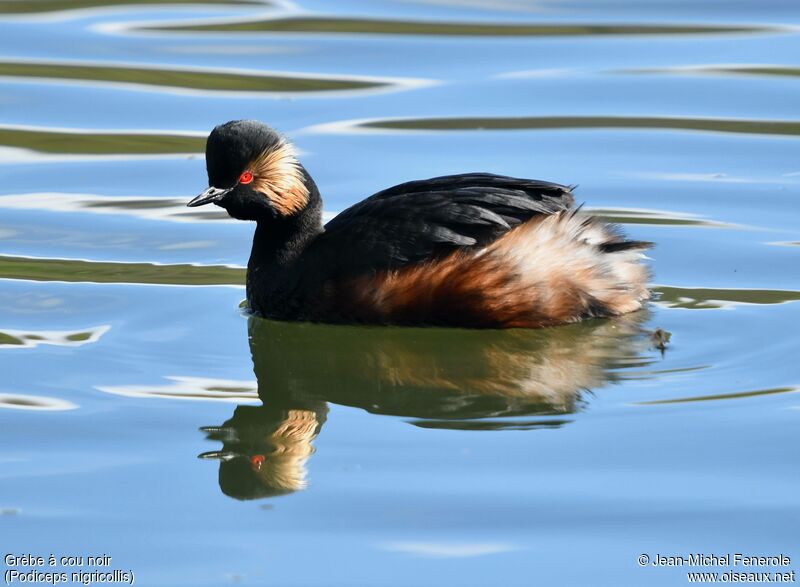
(278,242)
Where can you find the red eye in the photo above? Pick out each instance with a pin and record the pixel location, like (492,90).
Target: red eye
(246,177)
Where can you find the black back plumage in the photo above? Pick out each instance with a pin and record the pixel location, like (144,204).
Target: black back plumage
(421,220)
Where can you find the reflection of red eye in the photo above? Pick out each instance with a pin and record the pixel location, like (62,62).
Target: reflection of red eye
(257,460)
(246,177)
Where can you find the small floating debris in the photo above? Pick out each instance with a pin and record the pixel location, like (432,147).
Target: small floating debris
(659,339)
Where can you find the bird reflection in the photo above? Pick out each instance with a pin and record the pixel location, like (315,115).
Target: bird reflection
(266,448)
(443,378)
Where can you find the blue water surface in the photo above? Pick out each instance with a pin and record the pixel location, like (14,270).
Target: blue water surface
(342,456)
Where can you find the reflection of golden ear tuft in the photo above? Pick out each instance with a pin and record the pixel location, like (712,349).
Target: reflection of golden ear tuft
(279,177)
(284,468)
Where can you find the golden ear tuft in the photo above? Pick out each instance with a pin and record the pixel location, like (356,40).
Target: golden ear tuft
(279,177)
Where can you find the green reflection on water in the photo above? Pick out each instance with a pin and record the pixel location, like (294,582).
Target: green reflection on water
(623,216)
(176,78)
(400,27)
(769,127)
(29,6)
(652,220)
(10,340)
(74,270)
(767,70)
(719,396)
(703,298)
(31,339)
(79,143)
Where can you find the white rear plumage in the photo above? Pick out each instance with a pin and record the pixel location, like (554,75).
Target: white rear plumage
(570,251)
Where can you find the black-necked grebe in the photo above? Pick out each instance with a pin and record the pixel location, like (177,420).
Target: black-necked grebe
(472,250)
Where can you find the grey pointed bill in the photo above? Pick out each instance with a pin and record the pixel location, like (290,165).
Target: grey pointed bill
(212,194)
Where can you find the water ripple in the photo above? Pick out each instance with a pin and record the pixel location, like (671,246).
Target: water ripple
(191,388)
(175,210)
(86,271)
(100,142)
(722,125)
(722,69)
(18,401)
(197,79)
(83,271)
(700,298)
(720,396)
(149,208)
(39,6)
(34,338)
(376,26)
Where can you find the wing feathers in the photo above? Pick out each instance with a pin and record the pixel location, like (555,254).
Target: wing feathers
(421,220)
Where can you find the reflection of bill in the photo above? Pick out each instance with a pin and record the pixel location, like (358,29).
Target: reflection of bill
(447,378)
(265,449)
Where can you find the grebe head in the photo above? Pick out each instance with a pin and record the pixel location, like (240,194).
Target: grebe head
(253,173)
